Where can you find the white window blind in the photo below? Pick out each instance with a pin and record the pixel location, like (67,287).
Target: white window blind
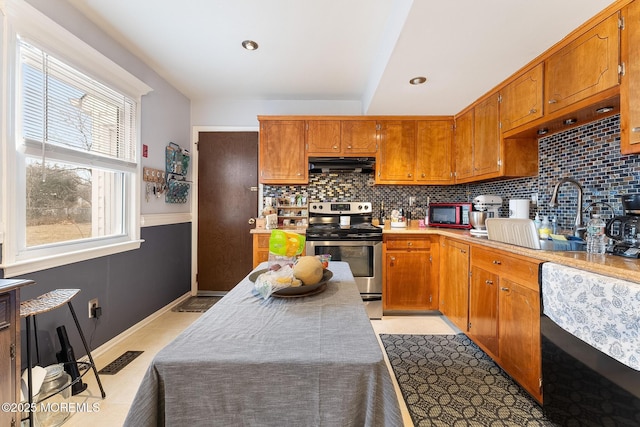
(64,107)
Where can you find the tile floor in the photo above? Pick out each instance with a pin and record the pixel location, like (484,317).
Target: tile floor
(121,387)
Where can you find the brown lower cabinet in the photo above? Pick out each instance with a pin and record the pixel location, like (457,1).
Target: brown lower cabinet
(410,272)
(504,313)
(493,297)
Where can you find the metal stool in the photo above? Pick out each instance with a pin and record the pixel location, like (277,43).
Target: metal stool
(47,302)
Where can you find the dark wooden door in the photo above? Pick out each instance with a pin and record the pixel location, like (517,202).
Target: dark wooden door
(227,201)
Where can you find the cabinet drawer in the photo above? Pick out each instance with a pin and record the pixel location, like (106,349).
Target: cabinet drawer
(524,272)
(409,243)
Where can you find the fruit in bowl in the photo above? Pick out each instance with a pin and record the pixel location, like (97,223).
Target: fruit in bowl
(308,269)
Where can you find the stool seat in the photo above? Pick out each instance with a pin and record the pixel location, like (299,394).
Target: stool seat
(46,302)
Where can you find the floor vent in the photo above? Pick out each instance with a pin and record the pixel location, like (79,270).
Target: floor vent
(122,361)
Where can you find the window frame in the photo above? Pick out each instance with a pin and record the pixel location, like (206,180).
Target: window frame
(22,19)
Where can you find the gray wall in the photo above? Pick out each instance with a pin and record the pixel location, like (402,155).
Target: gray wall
(129,286)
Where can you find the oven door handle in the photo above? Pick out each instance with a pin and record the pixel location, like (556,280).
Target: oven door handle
(345,242)
(368,298)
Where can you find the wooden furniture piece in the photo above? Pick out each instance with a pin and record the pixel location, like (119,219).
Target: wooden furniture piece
(434,152)
(410,272)
(396,157)
(630,81)
(454,282)
(521,101)
(335,138)
(282,157)
(250,359)
(10,348)
(29,309)
(260,248)
(504,313)
(586,66)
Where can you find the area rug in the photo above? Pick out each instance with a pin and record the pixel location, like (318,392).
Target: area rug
(197,304)
(446,380)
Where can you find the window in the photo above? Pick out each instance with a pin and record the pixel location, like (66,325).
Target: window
(72,144)
(79,119)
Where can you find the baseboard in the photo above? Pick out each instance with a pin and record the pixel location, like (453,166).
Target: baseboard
(141,324)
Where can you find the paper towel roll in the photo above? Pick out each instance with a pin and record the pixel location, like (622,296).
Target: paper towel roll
(519,208)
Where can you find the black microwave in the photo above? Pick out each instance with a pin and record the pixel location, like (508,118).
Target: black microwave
(450,215)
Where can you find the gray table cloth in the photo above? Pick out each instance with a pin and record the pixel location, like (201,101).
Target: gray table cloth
(312,361)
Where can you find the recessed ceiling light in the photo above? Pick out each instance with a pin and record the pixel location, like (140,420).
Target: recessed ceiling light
(418,80)
(250,45)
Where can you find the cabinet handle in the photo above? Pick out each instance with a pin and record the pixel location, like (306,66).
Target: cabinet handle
(636,129)
(409,175)
(504,289)
(409,243)
(335,147)
(553,101)
(533,111)
(393,258)
(496,262)
(349,147)
(488,282)
(423,175)
(462,251)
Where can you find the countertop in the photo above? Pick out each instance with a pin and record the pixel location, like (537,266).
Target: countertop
(609,265)
(8,285)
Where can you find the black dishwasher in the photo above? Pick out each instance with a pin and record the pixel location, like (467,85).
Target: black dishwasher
(583,386)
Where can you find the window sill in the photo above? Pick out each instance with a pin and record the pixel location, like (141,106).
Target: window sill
(29,266)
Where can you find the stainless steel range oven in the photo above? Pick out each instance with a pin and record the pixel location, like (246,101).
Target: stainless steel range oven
(344,230)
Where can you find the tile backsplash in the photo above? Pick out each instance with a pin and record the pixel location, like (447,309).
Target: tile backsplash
(590,154)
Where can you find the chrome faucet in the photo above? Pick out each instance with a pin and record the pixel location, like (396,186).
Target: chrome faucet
(554,201)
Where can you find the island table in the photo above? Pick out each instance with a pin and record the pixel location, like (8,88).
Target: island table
(309,361)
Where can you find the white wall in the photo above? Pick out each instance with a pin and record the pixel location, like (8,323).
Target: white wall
(165,111)
(243,112)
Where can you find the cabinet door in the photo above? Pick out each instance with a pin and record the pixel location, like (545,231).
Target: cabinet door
(323,137)
(584,67)
(483,309)
(408,281)
(454,283)
(486,138)
(521,100)
(7,359)
(282,156)
(464,146)
(630,84)
(359,137)
(520,350)
(434,143)
(397,154)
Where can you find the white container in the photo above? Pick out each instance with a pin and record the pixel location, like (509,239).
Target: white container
(596,235)
(519,208)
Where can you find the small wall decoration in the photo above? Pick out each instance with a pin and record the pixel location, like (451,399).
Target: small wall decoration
(177,167)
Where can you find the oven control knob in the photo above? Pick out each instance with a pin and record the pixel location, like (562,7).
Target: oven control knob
(320,207)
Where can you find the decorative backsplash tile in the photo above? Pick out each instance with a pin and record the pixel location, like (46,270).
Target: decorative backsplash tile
(590,154)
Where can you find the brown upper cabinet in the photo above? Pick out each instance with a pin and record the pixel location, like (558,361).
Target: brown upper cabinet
(337,138)
(464,146)
(282,158)
(359,137)
(584,67)
(486,143)
(521,100)
(630,84)
(396,157)
(434,146)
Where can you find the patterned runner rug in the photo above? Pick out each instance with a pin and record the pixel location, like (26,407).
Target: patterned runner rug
(446,380)
(197,304)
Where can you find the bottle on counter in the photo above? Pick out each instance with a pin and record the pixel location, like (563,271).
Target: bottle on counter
(595,235)
(554,225)
(382,213)
(545,227)
(537,222)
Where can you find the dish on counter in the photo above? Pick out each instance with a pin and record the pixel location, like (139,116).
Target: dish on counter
(298,291)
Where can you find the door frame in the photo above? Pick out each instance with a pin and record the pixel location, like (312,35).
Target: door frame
(194,195)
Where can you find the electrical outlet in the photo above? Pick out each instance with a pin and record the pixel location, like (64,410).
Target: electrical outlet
(93,304)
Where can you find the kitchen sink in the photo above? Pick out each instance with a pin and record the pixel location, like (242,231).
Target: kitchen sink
(522,232)
(571,244)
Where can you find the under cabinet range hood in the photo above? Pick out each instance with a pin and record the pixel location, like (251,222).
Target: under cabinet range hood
(342,164)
